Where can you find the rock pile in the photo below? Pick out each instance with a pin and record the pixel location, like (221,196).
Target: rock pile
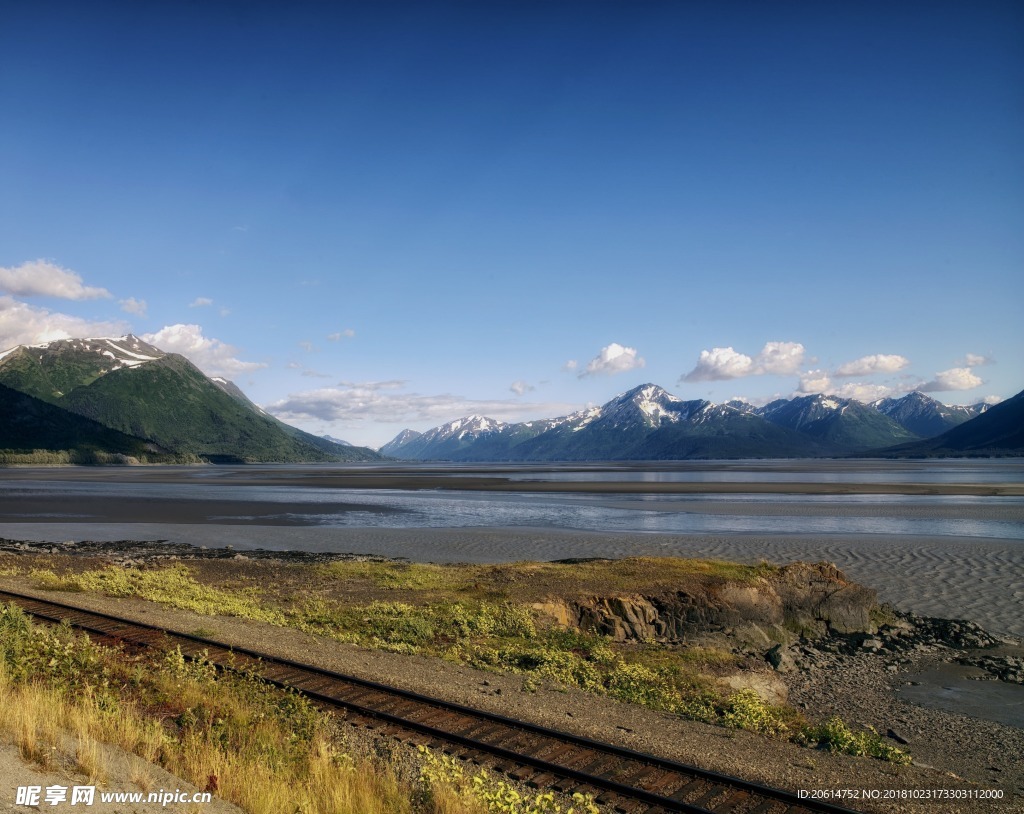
(904,636)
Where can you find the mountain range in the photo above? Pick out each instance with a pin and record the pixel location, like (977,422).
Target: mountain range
(122,399)
(999,431)
(124,396)
(648,423)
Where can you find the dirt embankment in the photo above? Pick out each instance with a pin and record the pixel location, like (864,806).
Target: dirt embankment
(802,599)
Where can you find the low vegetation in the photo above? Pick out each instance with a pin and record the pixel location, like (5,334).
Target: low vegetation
(267,751)
(87,456)
(481,616)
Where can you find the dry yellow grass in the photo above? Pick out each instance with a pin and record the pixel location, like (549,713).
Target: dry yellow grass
(63,698)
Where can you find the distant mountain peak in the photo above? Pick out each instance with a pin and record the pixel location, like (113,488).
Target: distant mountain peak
(468,425)
(649,403)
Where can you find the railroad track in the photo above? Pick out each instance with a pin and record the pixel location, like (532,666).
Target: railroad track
(622,779)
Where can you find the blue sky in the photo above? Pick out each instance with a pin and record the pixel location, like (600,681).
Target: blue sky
(388,215)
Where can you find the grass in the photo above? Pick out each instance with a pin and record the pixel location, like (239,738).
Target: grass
(534,581)
(482,616)
(63,697)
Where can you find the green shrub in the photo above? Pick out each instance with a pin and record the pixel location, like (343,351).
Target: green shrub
(836,736)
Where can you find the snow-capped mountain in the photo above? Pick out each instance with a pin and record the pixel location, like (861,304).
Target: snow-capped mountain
(646,422)
(444,442)
(846,425)
(130,386)
(51,369)
(648,405)
(803,410)
(925,416)
(399,441)
(996,431)
(742,406)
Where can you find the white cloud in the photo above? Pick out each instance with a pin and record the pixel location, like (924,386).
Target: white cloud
(612,359)
(380,402)
(976,360)
(571,365)
(778,358)
(865,392)
(23,324)
(348,333)
(876,363)
(200,302)
(992,399)
(520,387)
(819,381)
(133,306)
(957,378)
(814,381)
(41,278)
(213,357)
(720,363)
(307,346)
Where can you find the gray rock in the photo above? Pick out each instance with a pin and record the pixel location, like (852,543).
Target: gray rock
(780,659)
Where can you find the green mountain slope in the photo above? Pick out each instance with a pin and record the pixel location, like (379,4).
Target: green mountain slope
(335,451)
(136,389)
(29,425)
(170,401)
(49,372)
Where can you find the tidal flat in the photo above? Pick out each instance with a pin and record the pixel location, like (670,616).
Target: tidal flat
(942,538)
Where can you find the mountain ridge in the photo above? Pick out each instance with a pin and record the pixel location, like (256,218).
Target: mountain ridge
(649,423)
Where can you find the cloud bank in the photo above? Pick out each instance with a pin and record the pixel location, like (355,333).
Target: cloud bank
(24,324)
(213,357)
(718,364)
(41,278)
(382,402)
(957,378)
(877,363)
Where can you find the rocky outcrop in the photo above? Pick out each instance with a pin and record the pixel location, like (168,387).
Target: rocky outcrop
(900,638)
(820,594)
(801,598)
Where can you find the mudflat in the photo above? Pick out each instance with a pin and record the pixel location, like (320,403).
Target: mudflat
(946,574)
(504,479)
